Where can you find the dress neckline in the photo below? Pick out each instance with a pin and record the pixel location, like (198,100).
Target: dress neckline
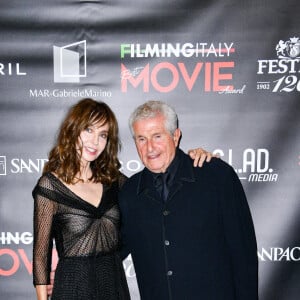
(77,196)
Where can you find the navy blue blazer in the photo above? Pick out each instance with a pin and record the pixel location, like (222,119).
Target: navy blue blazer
(200,244)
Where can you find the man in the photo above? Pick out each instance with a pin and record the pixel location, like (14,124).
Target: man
(193,237)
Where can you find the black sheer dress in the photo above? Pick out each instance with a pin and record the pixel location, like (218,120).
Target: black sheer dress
(86,238)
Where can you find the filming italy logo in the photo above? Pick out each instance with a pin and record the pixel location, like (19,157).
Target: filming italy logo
(69,62)
(212,70)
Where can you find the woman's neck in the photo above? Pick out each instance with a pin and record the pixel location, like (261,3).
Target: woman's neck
(85,173)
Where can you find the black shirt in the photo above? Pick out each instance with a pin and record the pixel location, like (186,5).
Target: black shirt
(163,181)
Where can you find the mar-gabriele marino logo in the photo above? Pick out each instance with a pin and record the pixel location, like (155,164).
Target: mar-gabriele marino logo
(281,74)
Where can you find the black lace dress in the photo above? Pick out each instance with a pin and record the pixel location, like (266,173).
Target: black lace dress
(86,238)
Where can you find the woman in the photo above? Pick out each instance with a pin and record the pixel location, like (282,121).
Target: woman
(75,203)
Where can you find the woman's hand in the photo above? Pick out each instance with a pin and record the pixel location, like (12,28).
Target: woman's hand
(50,286)
(200,155)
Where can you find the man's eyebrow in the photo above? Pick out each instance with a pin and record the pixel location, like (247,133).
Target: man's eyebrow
(138,136)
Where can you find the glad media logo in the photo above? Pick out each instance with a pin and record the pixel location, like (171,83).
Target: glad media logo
(69,62)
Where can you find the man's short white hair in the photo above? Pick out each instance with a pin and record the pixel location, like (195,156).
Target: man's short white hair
(151,109)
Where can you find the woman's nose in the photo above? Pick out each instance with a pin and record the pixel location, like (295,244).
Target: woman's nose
(95,139)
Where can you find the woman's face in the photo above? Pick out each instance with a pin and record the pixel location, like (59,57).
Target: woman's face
(92,140)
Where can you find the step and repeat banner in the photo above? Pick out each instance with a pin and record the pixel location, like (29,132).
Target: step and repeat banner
(231,69)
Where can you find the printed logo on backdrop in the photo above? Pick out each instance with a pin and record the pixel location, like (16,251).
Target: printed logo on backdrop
(69,66)
(2,165)
(69,62)
(11,69)
(21,165)
(279,254)
(208,66)
(12,260)
(281,74)
(252,165)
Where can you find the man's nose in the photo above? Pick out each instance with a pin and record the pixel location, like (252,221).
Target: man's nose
(149,145)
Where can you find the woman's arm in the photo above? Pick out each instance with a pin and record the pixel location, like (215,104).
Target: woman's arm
(44,210)
(41,292)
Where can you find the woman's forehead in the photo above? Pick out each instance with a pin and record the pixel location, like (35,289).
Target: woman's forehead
(103,124)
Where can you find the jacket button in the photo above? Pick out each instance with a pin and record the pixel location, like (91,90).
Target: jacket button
(166,212)
(167,243)
(170,273)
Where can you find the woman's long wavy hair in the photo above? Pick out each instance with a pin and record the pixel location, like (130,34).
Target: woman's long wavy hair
(64,159)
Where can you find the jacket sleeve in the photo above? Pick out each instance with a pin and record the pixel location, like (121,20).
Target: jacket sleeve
(124,252)
(240,238)
(42,238)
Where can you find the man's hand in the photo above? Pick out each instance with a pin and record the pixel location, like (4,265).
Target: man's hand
(200,155)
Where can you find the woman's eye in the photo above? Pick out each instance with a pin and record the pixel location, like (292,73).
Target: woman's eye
(104,136)
(88,130)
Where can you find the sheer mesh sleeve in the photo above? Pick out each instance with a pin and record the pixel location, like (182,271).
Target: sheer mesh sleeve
(43,239)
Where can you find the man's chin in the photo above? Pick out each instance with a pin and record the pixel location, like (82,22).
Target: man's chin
(154,168)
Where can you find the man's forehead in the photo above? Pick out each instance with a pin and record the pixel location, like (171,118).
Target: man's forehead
(151,121)
(150,128)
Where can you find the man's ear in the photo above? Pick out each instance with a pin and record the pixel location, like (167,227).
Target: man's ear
(176,136)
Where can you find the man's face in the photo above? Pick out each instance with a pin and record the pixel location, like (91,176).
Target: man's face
(155,145)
